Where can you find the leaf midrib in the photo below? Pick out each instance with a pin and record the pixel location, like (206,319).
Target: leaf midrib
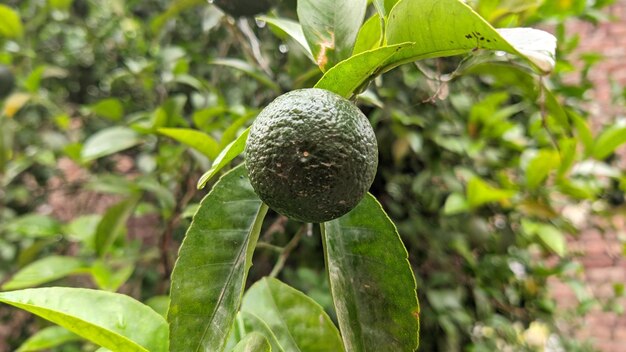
(242,249)
(281,317)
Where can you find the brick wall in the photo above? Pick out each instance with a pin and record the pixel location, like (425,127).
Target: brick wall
(601,251)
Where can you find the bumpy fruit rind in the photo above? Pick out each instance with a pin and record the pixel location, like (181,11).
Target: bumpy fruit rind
(311,155)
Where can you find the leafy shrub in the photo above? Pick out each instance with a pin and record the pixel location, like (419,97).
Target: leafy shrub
(125,105)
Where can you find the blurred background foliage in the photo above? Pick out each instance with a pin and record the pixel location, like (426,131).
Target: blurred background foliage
(120,106)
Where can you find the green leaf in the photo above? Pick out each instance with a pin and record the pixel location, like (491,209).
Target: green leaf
(210,274)
(226,156)
(113,224)
(247,322)
(230,133)
(111,109)
(159,304)
(292,29)
(479,193)
(253,342)
(34,226)
(567,154)
(372,284)
(540,166)
(111,320)
(33,81)
(197,140)
(247,69)
(10,23)
(609,140)
(110,279)
(109,141)
(384,6)
(450,27)
(350,75)
(331,27)
(173,10)
(551,237)
(583,132)
(455,204)
(298,323)
(555,108)
(48,338)
(370,35)
(44,270)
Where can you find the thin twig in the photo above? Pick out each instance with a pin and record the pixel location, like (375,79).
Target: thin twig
(293,243)
(265,245)
(277,226)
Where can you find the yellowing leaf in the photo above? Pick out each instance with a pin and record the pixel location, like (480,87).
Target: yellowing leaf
(14,103)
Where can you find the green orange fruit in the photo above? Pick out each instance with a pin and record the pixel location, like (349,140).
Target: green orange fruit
(311,155)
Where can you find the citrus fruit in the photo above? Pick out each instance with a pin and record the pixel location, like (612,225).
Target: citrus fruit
(7,81)
(244,8)
(311,155)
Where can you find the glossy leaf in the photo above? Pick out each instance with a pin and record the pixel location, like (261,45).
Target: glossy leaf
(609,140)
(34,226)
(10,23)
(331,27)
(540,166)
(253,342)
(111,320)
(111,109)
(83,229)
(113,224)
(197,140)
(109,141)
(110,279)
(372,284)
(349,75)
(479,193)
(370,35)
(455,204)
(172,11)
(246,323)
(44,270)
(247,69)
(226,156)
(210,274)
(292,29)
(230,133)
(384,6)
(583,132)
(450,27)
(298,323)
(551,237)
(48,338)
